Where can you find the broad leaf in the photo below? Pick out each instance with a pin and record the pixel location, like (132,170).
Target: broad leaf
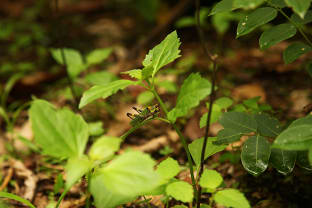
(100,78)
(104,91)
(222,6)
(307,18)
(267,125)
(194,89)
(231,198)
(299,6)
(255,155)
(227,136)
(145,98)
(224,102)
(210,179)
(164,53)
(239,121)
(98,55)
(104,148)
(196,147)
(96,128)
(303,160)
(134,73)
(181,191)
(60,133)
(247,4)
(255,19)
(168,168)
(283,160)
(76,168)
(215,115)
(276,34)
(294,51)
(307,120)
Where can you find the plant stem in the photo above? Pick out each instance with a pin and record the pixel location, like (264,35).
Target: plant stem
(213,59)
(183,140)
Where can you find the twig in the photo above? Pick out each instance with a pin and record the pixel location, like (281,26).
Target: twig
(213,59)
(7,179)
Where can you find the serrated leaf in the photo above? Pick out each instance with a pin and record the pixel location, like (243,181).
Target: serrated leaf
(181,191)
(307,18)
(276,34)
(255,19)
(196,147)
(255,155)
(134,73)
(222,6)
(210,179)
(194,89)
(299,6)
(227,136)
(145,98)
(215,115)
(76,168)
(98,55)
(247,4)
(231,198)
(168,168)
(303,160)
(104,91)
(239,121)
(104,148)
(60,133)
(100,78)
(267,125)
(164,53)
(283,160)
(294,51)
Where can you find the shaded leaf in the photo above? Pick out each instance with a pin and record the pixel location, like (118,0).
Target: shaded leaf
(276,34)
(299,6)
(255,19)
(255,155)
(283,160)
(239,121)
(104,148)
(222,6)
(98,55)
(294,51)
(302,21)
(231,198)
(227,136)
(267,125)
(181,191)
(76,168)
(100,78)
(303,160)
(278,3)
(145,98)
(210,179)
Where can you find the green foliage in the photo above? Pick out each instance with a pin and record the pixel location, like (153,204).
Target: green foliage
(226,136)
(168,169)
(255,154)
(238,121)
(145,98)
(95,128)
(300,7)
(283,160)
(267,125)
(294,51)
(194,89)
(16,198)
(76,168)
(181,191)
(100,78)
(98,55)
(302,21)
(210,179)
(104,148)
(231,198)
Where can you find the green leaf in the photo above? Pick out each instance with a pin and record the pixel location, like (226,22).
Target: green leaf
(168,168)
(134,73)
(224,102)
(303,160)
(231,198)
(283,160)
(227,136)
(255,155)
(210,179)
(255,19)
(164,53)
(278,3)
(276,34)
(181,191)
(104,91)
(310,156)
(145,98)
(222,6)
(130,174)
(215,115)
(196,147)
(194,89)
(307,120)
(169,86)
(267,125)
(179,206)
(76,168)
(247,4)
(16,198)
(299,6)
(104,148)
(73,60)
(239,121)
(96,128)
(294,51)
(100,78)
(98,55)
(252,103)
(307,18)
(60,133)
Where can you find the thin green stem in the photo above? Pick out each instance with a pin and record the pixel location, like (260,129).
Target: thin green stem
(61,197)
(125,135)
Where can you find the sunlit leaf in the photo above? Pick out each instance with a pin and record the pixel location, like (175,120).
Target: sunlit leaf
(104,148)
(299,6)
(134,73)
(181,191)
(76,168)
(231,198)
(294,51)
(210,179)
(283,160)
(168,168)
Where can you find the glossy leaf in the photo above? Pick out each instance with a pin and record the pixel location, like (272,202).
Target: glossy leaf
(227,136)
(299,6)
(168,168)
(104,91)
(255,155)
(255,19)
(164,53)
(76,168)
(196,147)
(239,121)
(222,6)
(231,198)
(276,34)
(303,160)
(283,160)
(210,179)
(98,55)
(104,148)
(294,51)
(134,73)
(247,4)
(60,133)
(181,191)
(267,125)
(194,89)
